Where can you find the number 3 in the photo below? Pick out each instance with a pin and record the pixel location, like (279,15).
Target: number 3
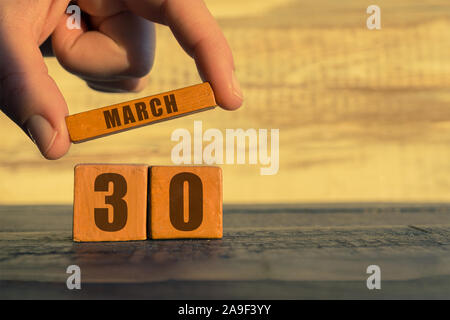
(120,209)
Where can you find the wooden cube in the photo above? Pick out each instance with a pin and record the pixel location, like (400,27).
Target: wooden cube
(110,202)
(185,202)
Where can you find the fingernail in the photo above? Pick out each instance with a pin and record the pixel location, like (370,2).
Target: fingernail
(236,87)
(41,132)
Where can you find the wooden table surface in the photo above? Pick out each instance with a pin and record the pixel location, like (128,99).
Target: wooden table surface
(268,252)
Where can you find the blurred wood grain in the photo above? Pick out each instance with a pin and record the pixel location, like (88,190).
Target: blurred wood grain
(363,115)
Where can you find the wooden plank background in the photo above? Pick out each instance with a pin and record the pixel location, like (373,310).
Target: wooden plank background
(363,115)
(267,252)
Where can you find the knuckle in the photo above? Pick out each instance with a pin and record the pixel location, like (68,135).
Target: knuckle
(140,67)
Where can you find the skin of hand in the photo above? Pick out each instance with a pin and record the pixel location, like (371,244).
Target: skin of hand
(113,51)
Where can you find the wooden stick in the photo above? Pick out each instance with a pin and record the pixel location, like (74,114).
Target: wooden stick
(128,115)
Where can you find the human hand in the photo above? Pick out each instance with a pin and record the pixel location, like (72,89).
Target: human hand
(113,51)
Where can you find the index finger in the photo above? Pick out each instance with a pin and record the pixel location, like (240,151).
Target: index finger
(201,37)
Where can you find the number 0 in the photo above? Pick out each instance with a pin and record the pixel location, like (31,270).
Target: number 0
(176,194)
(120,210)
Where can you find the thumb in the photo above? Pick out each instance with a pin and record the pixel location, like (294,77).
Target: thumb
(30,97)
